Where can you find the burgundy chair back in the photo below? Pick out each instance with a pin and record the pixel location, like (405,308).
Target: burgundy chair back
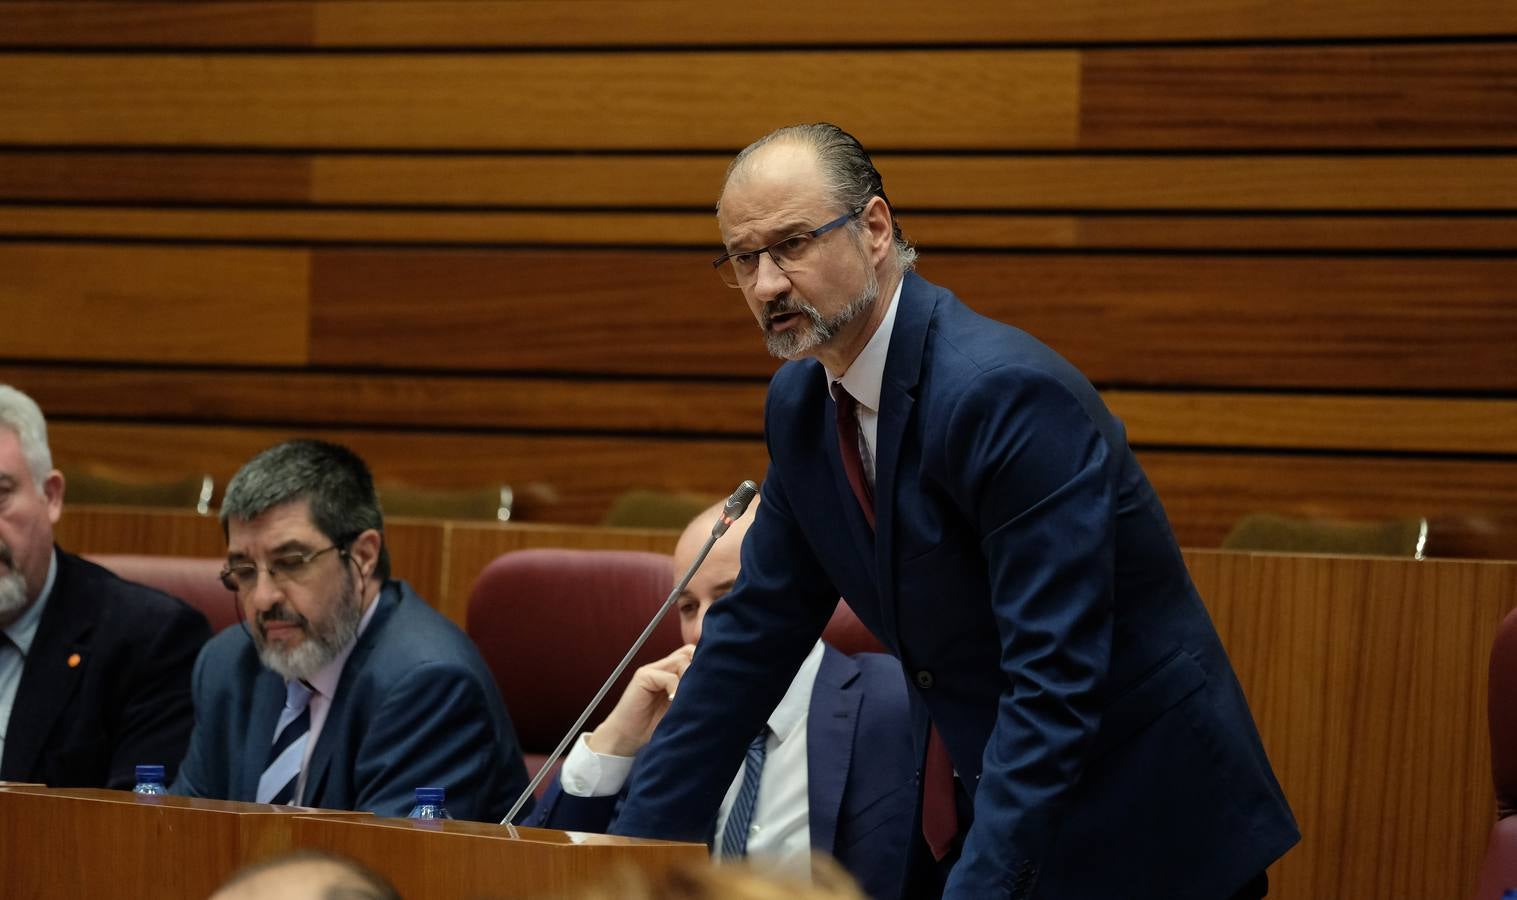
(552,624)
(195,580)
(1500,869)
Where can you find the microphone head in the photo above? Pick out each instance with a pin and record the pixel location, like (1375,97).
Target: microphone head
(734,508)
(737,504)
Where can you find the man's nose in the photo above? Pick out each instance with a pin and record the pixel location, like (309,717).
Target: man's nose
(770,282)
(266,593)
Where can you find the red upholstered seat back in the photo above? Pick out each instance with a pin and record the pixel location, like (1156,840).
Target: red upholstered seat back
(551,625)
(1500,869)
(848,634)
(190,578)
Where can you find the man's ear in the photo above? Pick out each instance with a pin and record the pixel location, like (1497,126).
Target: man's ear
(879,225)
(52,491)
(365,551)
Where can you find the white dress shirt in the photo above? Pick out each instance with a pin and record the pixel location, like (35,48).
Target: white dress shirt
(781,830)
(863,380)
(323,687)
(16,645)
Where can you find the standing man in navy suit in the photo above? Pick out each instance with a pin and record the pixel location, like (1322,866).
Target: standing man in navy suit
(837,774)
(94,670)
(968,492)
(344,689)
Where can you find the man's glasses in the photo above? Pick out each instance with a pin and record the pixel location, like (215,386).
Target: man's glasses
(242,578)
(740,268)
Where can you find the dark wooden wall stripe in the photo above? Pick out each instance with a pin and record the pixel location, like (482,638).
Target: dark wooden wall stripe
(538,23)
(1444,181)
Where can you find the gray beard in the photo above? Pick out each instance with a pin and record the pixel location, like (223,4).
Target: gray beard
(13,599)
(794,343)
(321,645)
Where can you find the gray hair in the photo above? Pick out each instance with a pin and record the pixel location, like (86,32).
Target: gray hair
(329,477)
(21,414)
(850,174)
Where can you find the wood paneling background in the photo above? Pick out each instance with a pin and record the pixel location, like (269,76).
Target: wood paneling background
(471,237)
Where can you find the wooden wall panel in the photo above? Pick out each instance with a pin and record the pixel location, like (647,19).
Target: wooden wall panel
(1367,679)
(916,182)
(545,23)
(1432,96)
(153,304)
(584,100)
(1205,494)
(1296,321)
(155,177)
(1196,419)
(572,478)
(930,232)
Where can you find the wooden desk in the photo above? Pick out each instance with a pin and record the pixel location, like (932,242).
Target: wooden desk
(88,842)
(449,860)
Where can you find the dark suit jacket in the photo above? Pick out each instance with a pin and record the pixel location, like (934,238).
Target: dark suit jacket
(127,702)
(415,707)
(1025,574)
(860,774)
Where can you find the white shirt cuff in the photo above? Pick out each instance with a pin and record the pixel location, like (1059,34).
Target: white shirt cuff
(590,774)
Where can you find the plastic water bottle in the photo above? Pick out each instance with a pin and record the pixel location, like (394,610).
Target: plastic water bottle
(429,804)
(150,781)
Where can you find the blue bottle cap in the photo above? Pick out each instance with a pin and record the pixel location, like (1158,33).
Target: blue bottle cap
(430,796)
(150,773)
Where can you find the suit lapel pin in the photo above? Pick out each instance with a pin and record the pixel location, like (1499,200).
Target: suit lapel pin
(73,660)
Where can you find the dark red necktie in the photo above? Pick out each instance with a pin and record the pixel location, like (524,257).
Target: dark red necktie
(940,817)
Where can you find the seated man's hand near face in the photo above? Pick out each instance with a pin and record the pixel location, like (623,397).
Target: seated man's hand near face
(647,697)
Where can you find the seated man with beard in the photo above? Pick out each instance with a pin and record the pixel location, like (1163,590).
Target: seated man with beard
(344,689)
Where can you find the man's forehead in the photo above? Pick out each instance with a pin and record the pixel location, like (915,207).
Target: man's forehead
(279,524)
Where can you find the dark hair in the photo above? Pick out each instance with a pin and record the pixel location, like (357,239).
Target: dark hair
(851,176)
(329,477)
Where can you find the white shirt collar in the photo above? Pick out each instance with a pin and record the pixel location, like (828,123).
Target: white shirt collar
(867,373)
(324,682)
(24,630)
(796,703)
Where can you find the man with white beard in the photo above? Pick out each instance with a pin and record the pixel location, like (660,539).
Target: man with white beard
(343,689)
(94,670)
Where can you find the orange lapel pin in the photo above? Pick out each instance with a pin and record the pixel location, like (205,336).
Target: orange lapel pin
(73,660)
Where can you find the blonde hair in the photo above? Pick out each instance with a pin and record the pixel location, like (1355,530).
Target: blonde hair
(728,881)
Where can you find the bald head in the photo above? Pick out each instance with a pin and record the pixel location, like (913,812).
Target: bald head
(716,574)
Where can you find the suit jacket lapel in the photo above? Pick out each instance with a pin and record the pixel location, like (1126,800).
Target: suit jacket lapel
(48,681)
(830,725)
(341,702)
(903,369)
(267,703)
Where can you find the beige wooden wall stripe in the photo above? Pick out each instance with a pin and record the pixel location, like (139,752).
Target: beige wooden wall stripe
(518,23)
(961,99)
(1447,181)
(546,100)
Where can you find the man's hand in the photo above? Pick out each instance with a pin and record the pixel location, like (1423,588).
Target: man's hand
(641,706)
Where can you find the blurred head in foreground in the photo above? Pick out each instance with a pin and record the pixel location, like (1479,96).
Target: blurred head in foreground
(307,875)
(729,881)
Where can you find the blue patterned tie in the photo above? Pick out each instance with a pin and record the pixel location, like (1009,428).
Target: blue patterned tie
(735,835)
(282,772)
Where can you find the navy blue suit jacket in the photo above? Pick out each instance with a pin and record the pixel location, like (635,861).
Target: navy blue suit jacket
(1025,574)
(125,702)
(860,769)
(415,707)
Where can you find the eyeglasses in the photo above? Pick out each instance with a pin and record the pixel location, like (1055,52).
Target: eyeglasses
(291,567)
(740,268)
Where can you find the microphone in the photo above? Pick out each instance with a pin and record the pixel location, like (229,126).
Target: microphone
(736,505)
